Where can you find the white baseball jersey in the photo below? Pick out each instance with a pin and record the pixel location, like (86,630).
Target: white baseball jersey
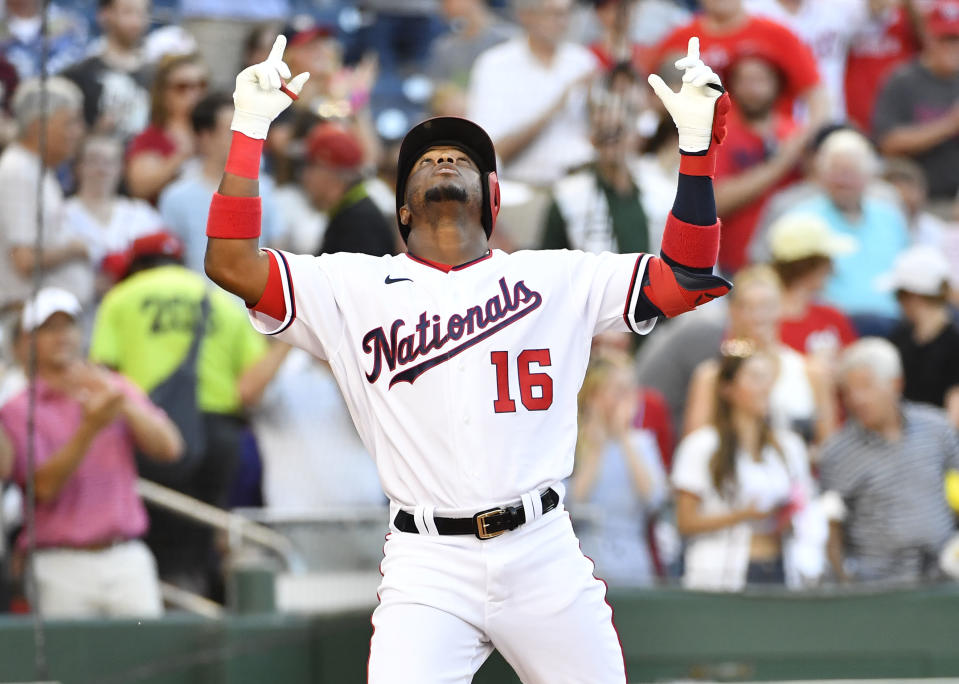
(462,384)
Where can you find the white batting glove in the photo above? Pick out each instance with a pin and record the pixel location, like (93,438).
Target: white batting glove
(693,107)
(259,96)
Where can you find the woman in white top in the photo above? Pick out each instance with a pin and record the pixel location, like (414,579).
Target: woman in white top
(802,398)
(105,220)
(738,480)
(618,474)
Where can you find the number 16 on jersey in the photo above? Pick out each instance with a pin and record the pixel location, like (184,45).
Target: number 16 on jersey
(535,389)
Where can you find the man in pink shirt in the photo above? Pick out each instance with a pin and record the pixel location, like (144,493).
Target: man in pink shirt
(89,518)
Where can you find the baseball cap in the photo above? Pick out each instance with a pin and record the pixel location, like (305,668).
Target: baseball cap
(921,270)
(800,236)
(334,146)
(160,243)
(943,19)
(48,301)
(455,132)
(303,29)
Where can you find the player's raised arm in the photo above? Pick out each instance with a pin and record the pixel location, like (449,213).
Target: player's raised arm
(682,279)
(233,257)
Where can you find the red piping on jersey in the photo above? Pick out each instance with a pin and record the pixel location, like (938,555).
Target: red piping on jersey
(629,292)
(446,268)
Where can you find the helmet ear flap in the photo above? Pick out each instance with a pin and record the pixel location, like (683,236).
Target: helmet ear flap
(494,198)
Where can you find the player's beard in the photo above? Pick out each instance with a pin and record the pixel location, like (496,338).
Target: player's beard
(447,193)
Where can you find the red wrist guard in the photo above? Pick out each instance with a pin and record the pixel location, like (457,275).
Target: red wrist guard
(689,245)
(234,218)
(244,158)
(705,164)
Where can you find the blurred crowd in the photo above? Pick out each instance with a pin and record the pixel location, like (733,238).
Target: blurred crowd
(800,432)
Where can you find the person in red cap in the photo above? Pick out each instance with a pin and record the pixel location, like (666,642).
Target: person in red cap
(460,365)
(145,329)
(334,184)
(917,113)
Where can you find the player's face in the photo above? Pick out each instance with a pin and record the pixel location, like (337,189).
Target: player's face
(443,174)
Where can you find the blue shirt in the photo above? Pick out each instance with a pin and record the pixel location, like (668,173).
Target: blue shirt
(882,234)
(185,204)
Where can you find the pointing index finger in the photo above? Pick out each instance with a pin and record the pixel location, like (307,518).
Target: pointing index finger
(276,54)
(692,50)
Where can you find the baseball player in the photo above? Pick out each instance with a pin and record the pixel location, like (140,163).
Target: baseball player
(461,366)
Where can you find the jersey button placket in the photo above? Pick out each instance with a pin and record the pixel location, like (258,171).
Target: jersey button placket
(454,302)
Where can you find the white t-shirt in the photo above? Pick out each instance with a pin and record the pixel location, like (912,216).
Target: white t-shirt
(718,560)
(510,88)
(827,27)
(131,218)
(461,384)
(19,176)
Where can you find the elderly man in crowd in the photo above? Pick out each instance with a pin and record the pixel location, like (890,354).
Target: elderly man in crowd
(845,166)
(64,258)
(888,465)
(89,519)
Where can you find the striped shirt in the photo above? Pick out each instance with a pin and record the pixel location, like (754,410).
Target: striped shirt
(897,516)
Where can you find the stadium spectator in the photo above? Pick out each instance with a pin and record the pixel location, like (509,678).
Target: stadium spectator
(295,399)
(21,43)
(614,45)
(759,156)
(827,28)
(906,176)
(89,518)
(185,203)
(218,27)
(599,208)
(333,182)
(803,248)
(401,33)
(887,464)
(889,37)
(334,92)
(64,260)
(8,85)
(845,166)
(618,467)
(474,29)
(738,479)
(801,398)
(115,78)
(917,114)
(726,30)
(544,131)
(144,329)
(927,337)
(98,214)
(157,155)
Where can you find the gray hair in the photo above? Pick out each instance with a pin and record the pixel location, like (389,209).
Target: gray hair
(62,93)
(875,353)
(846,142)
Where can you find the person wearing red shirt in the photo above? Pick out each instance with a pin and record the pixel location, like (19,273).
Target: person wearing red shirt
(803,247)
(888,40)
(614,46)
(762,150)
(726,31)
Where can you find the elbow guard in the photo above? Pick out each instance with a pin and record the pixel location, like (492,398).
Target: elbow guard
(669,289)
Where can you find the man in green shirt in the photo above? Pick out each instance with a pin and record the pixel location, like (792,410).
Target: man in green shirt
(144,329)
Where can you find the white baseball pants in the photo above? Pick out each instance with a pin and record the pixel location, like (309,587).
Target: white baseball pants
(447,601)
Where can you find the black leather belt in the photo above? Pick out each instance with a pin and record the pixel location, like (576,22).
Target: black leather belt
(485,524)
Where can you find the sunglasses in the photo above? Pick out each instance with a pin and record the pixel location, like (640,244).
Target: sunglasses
(186,86)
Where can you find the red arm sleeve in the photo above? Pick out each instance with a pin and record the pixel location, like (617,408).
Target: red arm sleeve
(271,301)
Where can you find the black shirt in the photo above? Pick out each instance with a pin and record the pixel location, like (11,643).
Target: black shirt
(357,225)
(930,369)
